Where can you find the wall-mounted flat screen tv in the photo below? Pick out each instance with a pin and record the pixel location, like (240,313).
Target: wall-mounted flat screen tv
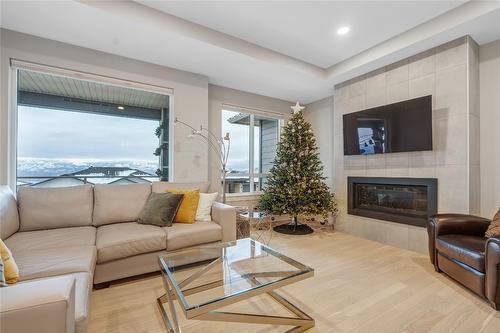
(393,128)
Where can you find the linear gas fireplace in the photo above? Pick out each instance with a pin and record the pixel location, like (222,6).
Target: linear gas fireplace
(403,200)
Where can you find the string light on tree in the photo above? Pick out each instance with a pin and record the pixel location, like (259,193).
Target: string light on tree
(296,185)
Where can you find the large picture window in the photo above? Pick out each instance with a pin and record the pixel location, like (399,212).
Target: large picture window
(72,132)
(254,138)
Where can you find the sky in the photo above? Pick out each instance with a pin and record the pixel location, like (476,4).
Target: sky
(47,133)
(240,143)
(75,136)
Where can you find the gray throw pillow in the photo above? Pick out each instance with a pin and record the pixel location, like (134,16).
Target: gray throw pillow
(2,275)
(160,209)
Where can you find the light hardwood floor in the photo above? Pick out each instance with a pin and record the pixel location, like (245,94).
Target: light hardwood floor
(359,286)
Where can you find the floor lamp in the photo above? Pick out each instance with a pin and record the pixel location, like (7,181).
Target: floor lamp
(221,146)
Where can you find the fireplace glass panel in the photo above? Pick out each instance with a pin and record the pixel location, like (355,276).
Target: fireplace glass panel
(402,200)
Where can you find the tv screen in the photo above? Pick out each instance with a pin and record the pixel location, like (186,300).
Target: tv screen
(393,128)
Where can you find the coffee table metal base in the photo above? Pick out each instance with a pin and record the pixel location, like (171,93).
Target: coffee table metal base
(301,322)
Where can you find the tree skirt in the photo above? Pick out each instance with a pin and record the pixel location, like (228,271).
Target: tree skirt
(292,229)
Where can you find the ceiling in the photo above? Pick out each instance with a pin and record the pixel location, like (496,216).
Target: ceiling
(308,30)
(283,49)
(41,83)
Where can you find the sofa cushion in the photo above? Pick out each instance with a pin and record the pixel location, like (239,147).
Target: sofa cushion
(204,210)
(56,207)
(8,213)
(122,240)
(181,235)
(160,209)
(463,248)
(52,238)
(189,204)
(55,261)
(119,203)
(167,186)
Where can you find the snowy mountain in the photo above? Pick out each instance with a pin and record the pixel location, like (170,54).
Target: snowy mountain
(31,167)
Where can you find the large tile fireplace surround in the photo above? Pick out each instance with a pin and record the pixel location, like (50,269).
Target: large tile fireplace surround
(450,74)
(408,201)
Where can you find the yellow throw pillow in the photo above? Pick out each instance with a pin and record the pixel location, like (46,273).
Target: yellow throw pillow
(189,204)
(10,270)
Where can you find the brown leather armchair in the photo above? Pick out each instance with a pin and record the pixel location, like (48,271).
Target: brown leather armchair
(457,247)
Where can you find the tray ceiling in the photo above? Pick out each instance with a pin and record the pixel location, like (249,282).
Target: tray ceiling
(286,50)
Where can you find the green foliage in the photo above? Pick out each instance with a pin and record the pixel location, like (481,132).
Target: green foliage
(162,173)
(158,130)
(158,150)
(296,185)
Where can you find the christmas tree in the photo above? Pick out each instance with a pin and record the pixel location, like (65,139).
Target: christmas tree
(296,185)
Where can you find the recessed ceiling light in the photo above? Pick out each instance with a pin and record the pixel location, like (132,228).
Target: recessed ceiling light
(343,30)
(120,108)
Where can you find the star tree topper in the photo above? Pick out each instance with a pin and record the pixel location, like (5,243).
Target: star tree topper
(297,108)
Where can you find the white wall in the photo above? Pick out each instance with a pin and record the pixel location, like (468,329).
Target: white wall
(217,96)
(320,115)
(489,69)
(190,92)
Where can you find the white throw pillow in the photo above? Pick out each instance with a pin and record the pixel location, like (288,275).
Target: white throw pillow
(205,206)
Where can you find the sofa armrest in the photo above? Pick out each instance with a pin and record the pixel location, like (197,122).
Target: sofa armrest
(46,305)
(492,263)
(225,216)
(442,224)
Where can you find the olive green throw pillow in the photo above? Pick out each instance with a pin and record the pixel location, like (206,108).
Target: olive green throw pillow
(3,283)
(160,209)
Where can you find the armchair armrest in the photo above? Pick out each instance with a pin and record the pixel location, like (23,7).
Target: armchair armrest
(225,216)
(492,263)
(46,305)
(442,224)
(459,224)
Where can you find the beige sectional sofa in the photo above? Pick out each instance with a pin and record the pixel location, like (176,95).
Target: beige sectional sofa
(64,240)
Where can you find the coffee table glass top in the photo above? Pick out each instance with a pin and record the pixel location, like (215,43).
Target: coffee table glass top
(229,270)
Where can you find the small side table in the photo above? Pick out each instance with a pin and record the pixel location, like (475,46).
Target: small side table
(261,226)
(242,223)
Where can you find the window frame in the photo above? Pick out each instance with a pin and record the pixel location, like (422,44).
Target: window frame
(251,165)
(12,114)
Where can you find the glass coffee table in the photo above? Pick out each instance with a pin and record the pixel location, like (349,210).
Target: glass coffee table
(260,225)
(230,273)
